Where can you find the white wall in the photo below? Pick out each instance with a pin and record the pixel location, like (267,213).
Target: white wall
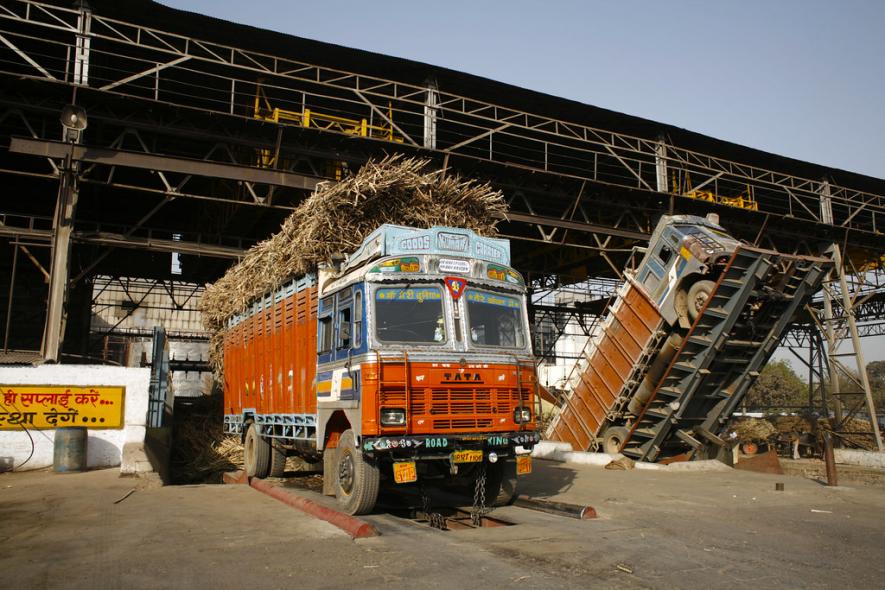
(104,447)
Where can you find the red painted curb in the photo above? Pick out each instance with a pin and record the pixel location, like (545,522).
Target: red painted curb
(356,528)
(235,477)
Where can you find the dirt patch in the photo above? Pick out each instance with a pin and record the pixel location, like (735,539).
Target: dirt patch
(815,469)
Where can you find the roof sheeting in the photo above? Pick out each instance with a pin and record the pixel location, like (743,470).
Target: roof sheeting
(154,15)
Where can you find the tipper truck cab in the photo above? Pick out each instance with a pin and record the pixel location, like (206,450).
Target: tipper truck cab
(685,255)
(687,334)
(410,361)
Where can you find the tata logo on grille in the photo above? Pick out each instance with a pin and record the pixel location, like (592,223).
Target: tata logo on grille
(462,378)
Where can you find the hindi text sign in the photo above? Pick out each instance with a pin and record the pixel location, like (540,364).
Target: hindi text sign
(44,407)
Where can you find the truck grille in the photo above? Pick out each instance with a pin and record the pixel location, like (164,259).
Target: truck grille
(455,410)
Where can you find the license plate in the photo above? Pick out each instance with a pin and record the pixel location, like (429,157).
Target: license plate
(404,472)
(466,456)
(523,464)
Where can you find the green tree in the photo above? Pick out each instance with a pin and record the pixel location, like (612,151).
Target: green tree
(778,386)
(851,382)
(876,373)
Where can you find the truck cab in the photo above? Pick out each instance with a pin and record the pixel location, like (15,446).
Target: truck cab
(684,253)
(424,351)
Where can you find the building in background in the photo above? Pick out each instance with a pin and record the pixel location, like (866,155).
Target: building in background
(125,312)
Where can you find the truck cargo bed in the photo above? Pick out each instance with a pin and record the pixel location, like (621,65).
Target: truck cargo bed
(615,360)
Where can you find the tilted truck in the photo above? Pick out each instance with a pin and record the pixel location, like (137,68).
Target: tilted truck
(410,361)
(686,336)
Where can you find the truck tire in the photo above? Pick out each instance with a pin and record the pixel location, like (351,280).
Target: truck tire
(357,479)
(256,453)
(613,438)
(501,482)
(697,297)
(277,463)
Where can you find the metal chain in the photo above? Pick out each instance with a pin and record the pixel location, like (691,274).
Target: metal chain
(479,498)
(434,519)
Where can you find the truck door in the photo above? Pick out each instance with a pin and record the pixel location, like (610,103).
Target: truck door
(652,277)
(349,341)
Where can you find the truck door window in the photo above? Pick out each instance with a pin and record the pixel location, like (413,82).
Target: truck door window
(665,254)
(344,331)
(409,314)
(495,319)
(325,328)
(357,319)
(325,334)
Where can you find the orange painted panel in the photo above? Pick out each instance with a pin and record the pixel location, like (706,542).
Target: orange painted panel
(626,333)
(260,351)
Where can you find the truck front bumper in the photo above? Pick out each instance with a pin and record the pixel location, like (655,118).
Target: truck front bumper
(445,444)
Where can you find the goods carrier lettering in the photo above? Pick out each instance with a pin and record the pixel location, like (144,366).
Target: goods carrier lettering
(412,361)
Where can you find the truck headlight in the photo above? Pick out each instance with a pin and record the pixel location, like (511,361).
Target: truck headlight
(522,415)
(393,417)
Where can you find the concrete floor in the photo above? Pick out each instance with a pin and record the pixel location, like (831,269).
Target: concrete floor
(655,530)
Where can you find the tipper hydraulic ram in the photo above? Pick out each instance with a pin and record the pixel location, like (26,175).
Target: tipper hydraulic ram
(685,338)
(410,362)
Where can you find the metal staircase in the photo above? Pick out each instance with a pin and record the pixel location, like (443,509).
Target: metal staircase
(735,334)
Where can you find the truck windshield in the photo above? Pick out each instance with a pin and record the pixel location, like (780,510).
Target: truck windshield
(494,319)
(409,314)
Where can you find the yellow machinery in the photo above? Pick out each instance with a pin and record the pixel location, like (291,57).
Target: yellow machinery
(314,120)
(742,201)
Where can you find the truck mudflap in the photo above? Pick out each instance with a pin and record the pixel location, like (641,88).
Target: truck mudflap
(444,444)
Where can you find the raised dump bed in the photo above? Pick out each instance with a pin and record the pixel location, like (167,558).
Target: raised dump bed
(615,363)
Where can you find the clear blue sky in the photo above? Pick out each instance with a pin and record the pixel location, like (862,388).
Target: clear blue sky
(804,79)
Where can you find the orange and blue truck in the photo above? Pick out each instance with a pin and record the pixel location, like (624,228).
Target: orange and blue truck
(410,361)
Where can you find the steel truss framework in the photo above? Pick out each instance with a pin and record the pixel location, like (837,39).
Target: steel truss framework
(580,197)
(130,294)
(67,46)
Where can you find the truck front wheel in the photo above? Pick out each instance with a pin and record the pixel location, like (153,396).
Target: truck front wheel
(357,479)
(501,482)
(256,453)
(697,297)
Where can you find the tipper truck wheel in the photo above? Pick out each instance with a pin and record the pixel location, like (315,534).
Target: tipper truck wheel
(357,485)
(697,297)
(613,438)
(256,453)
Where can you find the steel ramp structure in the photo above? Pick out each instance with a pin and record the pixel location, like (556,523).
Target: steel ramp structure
(737,331)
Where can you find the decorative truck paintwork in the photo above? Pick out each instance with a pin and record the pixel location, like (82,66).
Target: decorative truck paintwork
(416,348)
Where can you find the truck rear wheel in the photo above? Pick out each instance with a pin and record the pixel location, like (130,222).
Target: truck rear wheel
(613,438)
(501,482)
(357,480)
(256,453)
(277,462)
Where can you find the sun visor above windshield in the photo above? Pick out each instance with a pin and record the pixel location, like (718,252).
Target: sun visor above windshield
(394,240)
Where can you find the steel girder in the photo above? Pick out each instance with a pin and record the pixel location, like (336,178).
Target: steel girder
(128,59)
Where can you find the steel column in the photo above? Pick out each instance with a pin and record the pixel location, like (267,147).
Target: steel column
(62,228)
(858,351)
